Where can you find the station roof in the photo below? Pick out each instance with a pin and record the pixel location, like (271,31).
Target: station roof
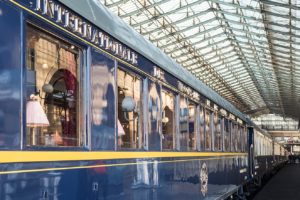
(247,51)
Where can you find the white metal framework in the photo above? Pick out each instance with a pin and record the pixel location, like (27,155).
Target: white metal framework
(247,51)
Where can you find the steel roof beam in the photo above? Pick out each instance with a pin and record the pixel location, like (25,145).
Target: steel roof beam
(172,23)
(135,12)
(117,3)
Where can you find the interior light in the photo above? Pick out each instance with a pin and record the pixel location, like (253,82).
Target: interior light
(45,66)
(35,115)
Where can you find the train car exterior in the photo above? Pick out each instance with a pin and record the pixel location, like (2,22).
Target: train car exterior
(267,156)
(84,115)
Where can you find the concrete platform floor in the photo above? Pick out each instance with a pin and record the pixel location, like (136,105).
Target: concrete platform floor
(285,185)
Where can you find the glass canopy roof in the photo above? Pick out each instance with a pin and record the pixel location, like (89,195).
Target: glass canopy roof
(248,51)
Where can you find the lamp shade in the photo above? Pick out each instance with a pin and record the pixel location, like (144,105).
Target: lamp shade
(35,115)
(121,131)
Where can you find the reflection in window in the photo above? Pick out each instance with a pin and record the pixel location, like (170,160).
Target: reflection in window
(234,137)
(240,139)
(102,110)
(183,123)
(192,142)
(226,135)
(154,116)
(129,110)
(168,117)
(208,121)
(52,116)
(202,128)
(245,138)
(217,131)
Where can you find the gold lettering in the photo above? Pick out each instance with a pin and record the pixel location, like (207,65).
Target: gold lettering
(38,5)
(102,38)
(48,8)
(76,27)
(58,13)
(124,51)
(107,43)
(87,30)
(128,55)
(67,18)
(76,24)
(95,37)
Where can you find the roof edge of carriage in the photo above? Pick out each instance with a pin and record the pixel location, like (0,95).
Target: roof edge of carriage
(100,16)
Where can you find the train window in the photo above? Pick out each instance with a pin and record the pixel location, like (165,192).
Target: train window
(154,117)
(168,119)
(234,138)
(242,144)
(129,110)
(183,123)
(53,91)
(103,98)
(217,132)
(208,129)
(245,138)
(202,128)
(192,141)
(239,140)
(226,134)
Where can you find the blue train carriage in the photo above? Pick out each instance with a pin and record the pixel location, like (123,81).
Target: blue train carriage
(268,156)
(91,110)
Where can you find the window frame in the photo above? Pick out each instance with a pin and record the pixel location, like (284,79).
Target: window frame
(143,129)
(164,88)
(210,125)
(84,91)
(196,125)
(220,123)
(201,109)
(228,149)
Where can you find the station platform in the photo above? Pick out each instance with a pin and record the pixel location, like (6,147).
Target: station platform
(283,186)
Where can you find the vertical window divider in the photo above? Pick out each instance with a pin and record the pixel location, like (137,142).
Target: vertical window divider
(197,121)
(222,134)
(160,117)
(116,104)
(212,130)
(177,107)
(87,66)
(145,115)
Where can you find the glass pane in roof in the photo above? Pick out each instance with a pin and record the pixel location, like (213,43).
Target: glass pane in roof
(278,9)
(255,13)
(202,6)
(232,17)
(169,5)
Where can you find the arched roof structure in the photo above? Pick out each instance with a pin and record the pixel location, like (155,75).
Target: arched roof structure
(248,51)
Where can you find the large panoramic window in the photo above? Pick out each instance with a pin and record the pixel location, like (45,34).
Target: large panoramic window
(53,91)
(235,137)
(208,129)
(183,123)
(168,120)
(129,110)
(192,139)
(245,138)
(226,134)
(217,132)
(202,128)
(154,116)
